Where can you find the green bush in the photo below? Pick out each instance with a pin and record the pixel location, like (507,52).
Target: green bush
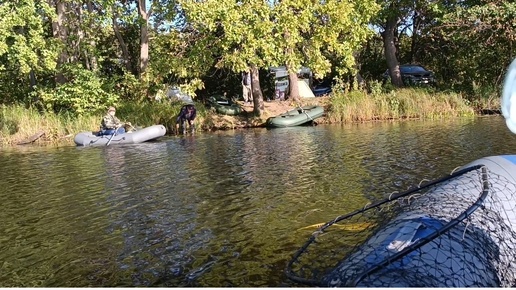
(149,113)
(84,92)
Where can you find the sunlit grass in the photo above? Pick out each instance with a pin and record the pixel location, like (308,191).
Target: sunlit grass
(405,103)
(148,114)
(18,123)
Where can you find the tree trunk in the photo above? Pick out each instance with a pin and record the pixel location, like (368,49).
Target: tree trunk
(257,91)
(416,23)
(361,82)
(32,80)
(125,51)
(292,72)
(293,85)
(144,36)
(91,55)
(78,48)
(390,50)
(357,78)
(59,32)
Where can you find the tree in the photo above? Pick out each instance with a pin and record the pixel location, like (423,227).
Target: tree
(229,35)
(295,33)
(25,46)
(144,34)
(60,32)
(393,12)
(315,32)
(473,42)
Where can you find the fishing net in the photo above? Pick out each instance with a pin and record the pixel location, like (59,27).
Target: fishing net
(457,231)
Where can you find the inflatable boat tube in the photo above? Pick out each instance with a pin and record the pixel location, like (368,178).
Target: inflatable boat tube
(295,117)
(142,135)
(228,109)
(224,106)
(424,247)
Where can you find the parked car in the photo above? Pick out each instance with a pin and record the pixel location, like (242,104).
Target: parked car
(412,74)
(322,87)
(281,81)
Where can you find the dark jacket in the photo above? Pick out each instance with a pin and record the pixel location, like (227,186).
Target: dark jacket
(246,78)
(187,112)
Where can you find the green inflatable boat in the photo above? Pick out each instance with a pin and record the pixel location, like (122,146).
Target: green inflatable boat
(224,106)
(296,117)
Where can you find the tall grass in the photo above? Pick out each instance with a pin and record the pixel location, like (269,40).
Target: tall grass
(486,97)
(405,103)
(165,113)
(18,123)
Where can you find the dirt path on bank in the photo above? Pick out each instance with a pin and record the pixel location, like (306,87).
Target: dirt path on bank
(247,120)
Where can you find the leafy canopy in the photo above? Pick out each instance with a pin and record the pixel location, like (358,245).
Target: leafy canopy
(292,32)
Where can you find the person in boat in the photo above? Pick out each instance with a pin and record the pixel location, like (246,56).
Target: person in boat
(186,116)
(111,124)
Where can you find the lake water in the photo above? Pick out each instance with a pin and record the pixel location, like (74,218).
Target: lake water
(216,209)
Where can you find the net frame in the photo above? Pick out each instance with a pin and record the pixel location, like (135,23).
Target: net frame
(400,197)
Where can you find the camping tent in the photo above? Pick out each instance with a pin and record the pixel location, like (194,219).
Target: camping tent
(304,90)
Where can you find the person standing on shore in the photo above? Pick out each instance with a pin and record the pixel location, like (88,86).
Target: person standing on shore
(246,87)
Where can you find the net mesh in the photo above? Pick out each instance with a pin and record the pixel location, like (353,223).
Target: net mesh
(457,231)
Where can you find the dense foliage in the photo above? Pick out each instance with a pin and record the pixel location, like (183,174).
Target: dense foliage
(81,56)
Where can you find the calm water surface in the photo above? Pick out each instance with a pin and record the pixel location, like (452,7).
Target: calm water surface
(215,209)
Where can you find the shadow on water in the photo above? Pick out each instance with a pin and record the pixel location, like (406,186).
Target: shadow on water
(218,209)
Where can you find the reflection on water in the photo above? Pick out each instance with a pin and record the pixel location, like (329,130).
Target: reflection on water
(218,209)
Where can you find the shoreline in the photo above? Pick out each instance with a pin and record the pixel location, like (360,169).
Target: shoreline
(67,140)
(54,131)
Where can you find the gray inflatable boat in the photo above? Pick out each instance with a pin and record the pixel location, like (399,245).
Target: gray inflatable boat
(139,136)
(459,231)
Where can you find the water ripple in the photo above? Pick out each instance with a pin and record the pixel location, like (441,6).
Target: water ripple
(221,209)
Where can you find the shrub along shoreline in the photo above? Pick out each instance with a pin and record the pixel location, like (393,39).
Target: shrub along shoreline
(18,124)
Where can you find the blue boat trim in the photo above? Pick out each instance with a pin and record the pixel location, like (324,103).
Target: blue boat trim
(511,158)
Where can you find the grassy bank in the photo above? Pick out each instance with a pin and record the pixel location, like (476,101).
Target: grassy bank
(147,114)
(18,124)
(400,104)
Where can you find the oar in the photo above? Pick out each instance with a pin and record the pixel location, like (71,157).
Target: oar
(111,138)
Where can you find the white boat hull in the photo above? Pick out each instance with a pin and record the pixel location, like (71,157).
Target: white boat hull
(139,136)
